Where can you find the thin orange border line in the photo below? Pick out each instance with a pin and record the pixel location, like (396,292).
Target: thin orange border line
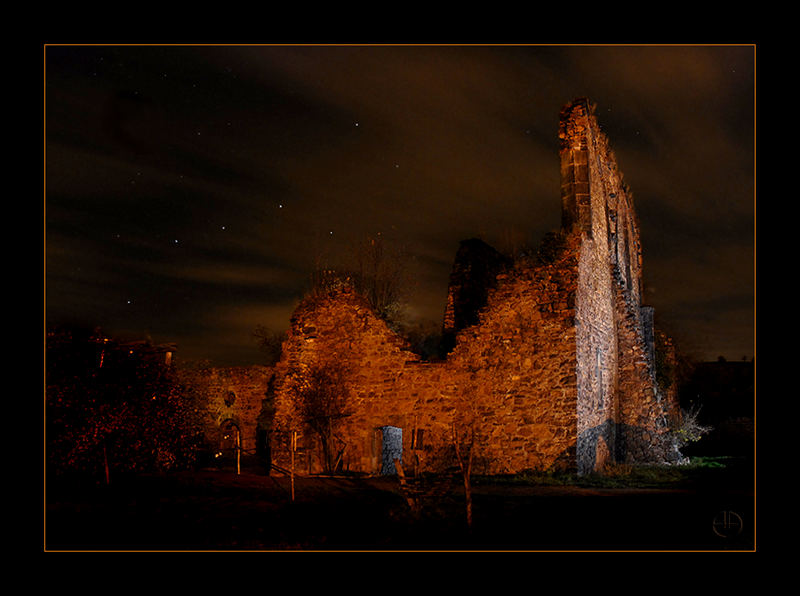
(400,44)
(755,299)
(755,232)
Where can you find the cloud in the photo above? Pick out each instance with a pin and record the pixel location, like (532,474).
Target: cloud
(225,337)
(427,145)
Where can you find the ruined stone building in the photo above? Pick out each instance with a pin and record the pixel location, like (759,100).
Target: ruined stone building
(234,408)
(551,362)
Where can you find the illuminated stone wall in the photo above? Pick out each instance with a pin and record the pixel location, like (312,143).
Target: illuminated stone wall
(554,370)
(513,373)
(234,394)
(622,413)
(585,213)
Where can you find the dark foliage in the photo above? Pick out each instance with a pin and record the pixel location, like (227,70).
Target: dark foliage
(114,407)
(551,248)
(269,342)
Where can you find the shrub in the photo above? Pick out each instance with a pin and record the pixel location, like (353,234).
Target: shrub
(688,429)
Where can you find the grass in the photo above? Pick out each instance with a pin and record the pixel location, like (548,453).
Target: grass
(698,470)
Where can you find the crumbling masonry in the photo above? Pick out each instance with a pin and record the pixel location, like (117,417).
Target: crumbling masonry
(552,366)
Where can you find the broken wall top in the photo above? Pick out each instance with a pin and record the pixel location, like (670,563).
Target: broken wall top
(595,199)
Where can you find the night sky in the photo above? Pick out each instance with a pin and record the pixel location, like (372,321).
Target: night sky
(190,190)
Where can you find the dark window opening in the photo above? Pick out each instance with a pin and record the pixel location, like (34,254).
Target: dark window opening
(230,398)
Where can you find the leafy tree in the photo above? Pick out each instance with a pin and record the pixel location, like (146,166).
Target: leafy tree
(111,406)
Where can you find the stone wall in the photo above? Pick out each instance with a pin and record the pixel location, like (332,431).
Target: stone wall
(512,375)
(473,276)
(644,410)
(551,364)
(585,212)
(622,415)
(233,395)
(523,354)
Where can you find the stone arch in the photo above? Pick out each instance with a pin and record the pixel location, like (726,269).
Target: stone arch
(230,435)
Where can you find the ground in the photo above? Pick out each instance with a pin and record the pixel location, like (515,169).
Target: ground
(693,508)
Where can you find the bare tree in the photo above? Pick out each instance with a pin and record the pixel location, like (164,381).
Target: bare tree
(270,342)
(378,274)
(464,430)
(381,277)
(321,400)
(464,443)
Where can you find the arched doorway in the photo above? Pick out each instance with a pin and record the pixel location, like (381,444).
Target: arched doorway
(229,436)
(230,444)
